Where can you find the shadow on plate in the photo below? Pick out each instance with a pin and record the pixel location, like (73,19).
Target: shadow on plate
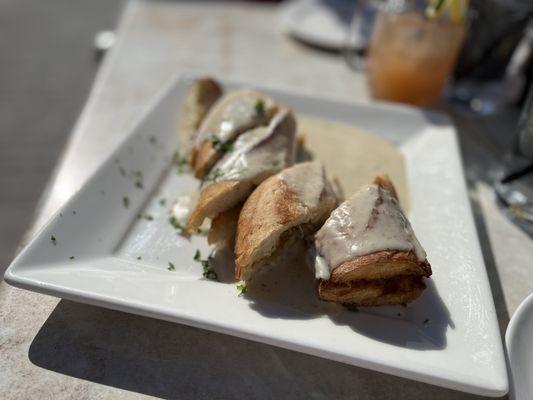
(287,288)
(168,360)
(422,325)
(288,291)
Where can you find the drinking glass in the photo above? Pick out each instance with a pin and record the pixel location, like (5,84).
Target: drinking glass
(412,55)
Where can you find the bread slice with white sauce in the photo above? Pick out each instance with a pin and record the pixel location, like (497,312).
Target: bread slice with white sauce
(287,206)
(232,115)
(367,254)
(256,155)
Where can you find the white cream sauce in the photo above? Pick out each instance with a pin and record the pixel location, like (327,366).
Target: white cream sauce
(307,180)
(321,268)
(183,206)
(369,221)
(233,114)
(352,155)
(260,152)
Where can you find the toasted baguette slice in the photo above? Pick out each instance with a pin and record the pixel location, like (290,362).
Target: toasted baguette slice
(256,155)
(202,94)
(377,292)
(366,252)
(294,202)
(232,115)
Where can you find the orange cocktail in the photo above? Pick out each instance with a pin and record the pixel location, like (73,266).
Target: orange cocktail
(411,57)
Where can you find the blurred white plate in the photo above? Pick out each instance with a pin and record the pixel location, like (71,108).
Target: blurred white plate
(519,341)
(322,23)
(449,337)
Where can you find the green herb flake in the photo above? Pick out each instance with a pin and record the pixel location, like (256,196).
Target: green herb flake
(180,161)
(260,107)
(153,139)
(176,225)
(138,174)
(53,239)
(210,274)
(208,271)
(218,145)
(241,288)
(139,184)
(71,258)
(214,175)
(162,202)
(139,257)
(171,266)
(126,201)
(197,255)
(145,216)
(122,171)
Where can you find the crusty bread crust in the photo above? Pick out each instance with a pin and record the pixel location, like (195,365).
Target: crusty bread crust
(380,265)
(204,159)
(217,198)
(271,210)
(385,182)
(399,290)
(202,94)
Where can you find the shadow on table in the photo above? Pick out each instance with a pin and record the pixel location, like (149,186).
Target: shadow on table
(422,326)
(168,360)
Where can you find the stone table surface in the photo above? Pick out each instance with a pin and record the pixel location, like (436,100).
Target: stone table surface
(56,349)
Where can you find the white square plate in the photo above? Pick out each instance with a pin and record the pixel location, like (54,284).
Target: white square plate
(449,337)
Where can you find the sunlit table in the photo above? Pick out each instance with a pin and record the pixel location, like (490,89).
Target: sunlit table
(60,349)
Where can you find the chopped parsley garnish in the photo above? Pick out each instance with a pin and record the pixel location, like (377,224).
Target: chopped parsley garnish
(180,162)
(61,214)
(138,184)
(197,255)
(71,258)
(126,201)
(153,139)
(218,145)
(176,225)
(122,171)
(138,257)
(171,266)
(74,212)
(241,288)
(208,273)
(53,239)
(146,216)
(260,107)
(214,175)
(163,202)
(138,174)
